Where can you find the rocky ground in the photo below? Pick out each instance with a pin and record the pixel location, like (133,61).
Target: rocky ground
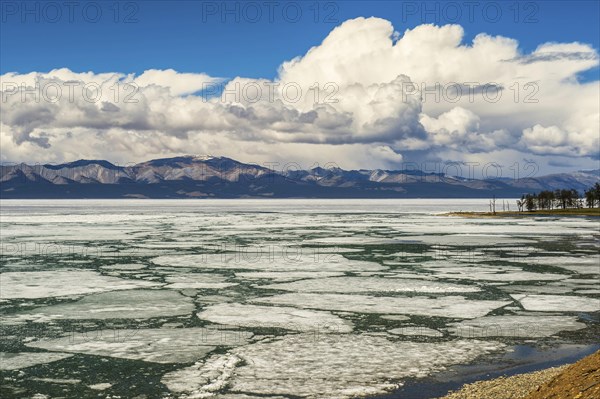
(580,380)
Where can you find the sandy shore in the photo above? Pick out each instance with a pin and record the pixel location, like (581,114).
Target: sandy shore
(580,380)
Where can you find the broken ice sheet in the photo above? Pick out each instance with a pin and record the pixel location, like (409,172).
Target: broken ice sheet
(370,284)
(129,304)
(533,326)
(204,378)
(196,230)
(15,361)
(286,276)
(578,264)
(488,273)
(353,240)
(100,386)
(327,262)
(328,366)
(469,227)
(289,318)
(448,306)
(43,284)
(127,266)
(536,289)
(197,281)
(562,260)
(578,283)
(558,303)
(342,366)
(466,240)
(159,345)
(416,331)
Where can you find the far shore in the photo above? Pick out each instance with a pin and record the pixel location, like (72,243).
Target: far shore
(594,212)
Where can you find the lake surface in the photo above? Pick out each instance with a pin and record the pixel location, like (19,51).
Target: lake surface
(282,298)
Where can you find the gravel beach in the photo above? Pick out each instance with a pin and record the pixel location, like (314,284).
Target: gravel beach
(580,380)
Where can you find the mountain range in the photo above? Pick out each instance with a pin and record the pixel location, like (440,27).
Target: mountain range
(221,177)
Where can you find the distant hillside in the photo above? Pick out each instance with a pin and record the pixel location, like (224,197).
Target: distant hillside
(220,177)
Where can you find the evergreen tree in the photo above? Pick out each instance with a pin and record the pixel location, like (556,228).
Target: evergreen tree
(592,196)
(530,202)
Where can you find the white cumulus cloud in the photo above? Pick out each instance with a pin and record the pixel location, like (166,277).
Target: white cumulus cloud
(365,94)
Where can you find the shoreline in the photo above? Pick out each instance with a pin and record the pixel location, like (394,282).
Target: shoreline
(576,380)
(524,359)
(593,212)
(515,386)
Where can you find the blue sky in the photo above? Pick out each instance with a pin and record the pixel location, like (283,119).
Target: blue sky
(191,36)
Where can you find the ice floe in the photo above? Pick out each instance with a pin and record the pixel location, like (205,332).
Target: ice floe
(588,291)
(286,276)
(577,264)
(353,240)
(43,284)
(466,240)
(129,304)
(371,284)
(100,386)
(289,318)
(328,262)
(489,273)
(343,366)
(578,283)
(15,361)
(129,266)
(558,303)
(197,281)
(532,326)
(448,306)
(536,289)
(204,378)
(159,345)
(416,331)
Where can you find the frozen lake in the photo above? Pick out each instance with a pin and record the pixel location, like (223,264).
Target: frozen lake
(279,298)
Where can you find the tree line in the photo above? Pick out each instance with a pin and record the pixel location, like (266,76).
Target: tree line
(560,199)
